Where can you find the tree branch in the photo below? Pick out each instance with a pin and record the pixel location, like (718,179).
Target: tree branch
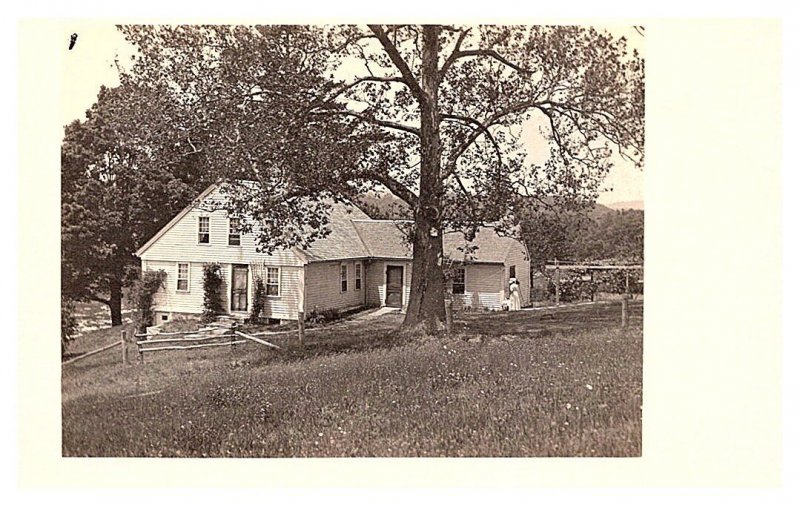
(397,59)
(399,190)
(369,119)
(98,299)
(358,81)
(483,52)
(454,54)
(479,126)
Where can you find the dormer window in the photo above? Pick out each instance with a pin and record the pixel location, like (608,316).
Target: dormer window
(234,235)
(203,233)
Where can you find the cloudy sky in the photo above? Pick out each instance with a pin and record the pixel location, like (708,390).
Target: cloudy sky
(91,64)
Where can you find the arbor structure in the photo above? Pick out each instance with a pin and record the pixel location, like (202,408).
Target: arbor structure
(467,125)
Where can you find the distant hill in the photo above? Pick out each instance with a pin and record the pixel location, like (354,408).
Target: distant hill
(635,205)
(384,206)
(387,206)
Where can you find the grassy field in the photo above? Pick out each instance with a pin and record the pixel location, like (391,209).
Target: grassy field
(533,383)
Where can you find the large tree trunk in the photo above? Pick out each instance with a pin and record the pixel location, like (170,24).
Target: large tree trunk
(426,307)
(115,302)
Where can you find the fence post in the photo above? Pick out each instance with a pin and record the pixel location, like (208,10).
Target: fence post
(301,327)
(448,314)
(124,338)
(625,311)
(558,284)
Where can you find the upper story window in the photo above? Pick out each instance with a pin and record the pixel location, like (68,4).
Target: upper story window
(203,233)
(183,277)
(358,276)
(234,235)
(459,284)
(343,276)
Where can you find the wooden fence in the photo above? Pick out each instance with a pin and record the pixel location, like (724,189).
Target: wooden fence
(177,341)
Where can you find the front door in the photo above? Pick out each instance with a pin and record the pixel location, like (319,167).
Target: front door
(394,286)
(239,289)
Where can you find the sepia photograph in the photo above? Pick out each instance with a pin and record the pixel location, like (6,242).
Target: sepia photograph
(352,241)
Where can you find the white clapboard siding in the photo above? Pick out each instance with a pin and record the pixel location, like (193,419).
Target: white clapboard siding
(376,281)
(518,256)
(168,299)
(284,306)
(180,242)
(323,286)
(484,288)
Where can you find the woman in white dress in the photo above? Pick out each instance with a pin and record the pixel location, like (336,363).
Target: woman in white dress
(514,302)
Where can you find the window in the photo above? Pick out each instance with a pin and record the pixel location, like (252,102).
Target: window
(358,276)
(343,277)
(459,285)
(234,236)
(203,235)
(512,272)
(183,277)
(273,281)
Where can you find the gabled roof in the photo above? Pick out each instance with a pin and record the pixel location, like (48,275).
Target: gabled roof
(354,235)
(343,242)
(175,219)
(385,239)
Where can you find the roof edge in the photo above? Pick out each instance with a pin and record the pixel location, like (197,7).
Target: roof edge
(175,219)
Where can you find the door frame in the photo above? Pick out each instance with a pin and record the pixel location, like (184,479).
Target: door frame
(402,267)
(246,267)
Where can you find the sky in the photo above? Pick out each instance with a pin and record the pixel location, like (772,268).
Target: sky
(92,63)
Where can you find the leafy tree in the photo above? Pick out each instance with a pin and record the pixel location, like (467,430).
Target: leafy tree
(117,191)
(432,113)
(599,235)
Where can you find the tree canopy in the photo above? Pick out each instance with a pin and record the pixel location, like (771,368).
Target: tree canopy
(466,125)
(116,192)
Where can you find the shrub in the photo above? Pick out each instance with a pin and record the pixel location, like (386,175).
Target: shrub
(614,282)
(143,291)
(572,288)
(69,325)
(259,301)
(212,291)
(317,316)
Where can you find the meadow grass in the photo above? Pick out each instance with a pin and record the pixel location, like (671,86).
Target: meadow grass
(558,383)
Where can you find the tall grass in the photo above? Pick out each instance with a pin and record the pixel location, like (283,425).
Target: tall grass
(569,385)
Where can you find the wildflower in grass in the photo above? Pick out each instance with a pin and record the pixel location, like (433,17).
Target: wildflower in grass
(589,387)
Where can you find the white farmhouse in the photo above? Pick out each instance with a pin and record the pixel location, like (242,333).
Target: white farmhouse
(363,262)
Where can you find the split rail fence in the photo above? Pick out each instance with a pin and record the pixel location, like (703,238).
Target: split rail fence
(178,341)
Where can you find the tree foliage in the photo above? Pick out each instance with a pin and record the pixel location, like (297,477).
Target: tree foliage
(69,325)
(120,183)
(143,292)
(584,236)
(434,114)
(212,291)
